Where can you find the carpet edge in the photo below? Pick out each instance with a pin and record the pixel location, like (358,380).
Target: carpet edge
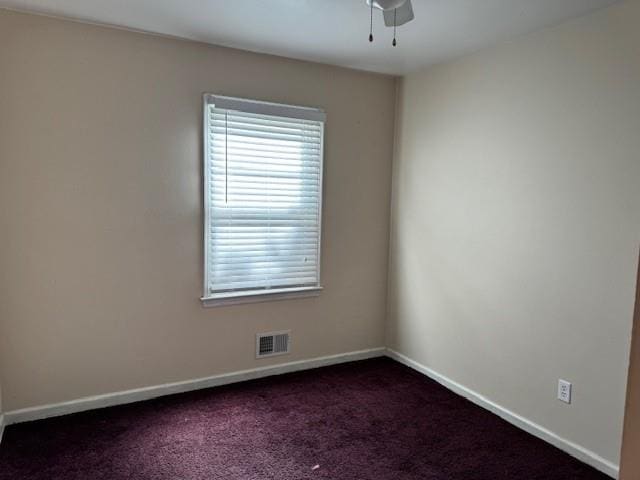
(146,393)
(577,451)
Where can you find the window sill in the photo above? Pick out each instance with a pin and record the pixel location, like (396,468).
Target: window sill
(227,299)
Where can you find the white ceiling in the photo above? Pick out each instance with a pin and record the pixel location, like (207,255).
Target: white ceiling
(328,31)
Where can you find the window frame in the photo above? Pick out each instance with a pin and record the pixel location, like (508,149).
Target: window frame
(265,108)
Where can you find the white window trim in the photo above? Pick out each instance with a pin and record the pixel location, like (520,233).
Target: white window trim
(265,108)
(259,296)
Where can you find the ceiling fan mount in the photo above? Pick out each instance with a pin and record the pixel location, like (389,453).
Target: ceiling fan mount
(394,12)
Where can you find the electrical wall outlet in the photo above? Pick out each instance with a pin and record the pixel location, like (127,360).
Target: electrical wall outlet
(564,391)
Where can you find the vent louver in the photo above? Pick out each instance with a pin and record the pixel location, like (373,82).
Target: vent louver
(272,343)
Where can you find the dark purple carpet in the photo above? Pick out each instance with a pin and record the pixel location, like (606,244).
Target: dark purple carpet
(370,420)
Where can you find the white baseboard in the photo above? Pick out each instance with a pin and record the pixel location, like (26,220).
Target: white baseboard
(573,449)
(146,393)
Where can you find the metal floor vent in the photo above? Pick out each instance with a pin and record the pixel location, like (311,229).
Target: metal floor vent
(272,343)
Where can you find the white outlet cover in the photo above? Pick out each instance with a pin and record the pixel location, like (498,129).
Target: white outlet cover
(564,391)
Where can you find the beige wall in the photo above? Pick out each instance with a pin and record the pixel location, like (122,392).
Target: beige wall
(101,210)
(516,222)
(630,463)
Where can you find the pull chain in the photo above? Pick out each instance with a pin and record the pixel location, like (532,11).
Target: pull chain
(371,24)
(395,12)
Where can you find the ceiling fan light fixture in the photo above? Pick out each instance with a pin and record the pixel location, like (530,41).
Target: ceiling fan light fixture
(386,5)
(394,12)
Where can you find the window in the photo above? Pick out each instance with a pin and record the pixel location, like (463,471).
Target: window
(263,200)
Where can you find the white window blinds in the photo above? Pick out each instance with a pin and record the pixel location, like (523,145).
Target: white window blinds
(263,196)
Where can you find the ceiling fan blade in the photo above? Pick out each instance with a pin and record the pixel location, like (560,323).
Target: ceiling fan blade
(403,14)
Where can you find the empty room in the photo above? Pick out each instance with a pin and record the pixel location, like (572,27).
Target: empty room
(319,239)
